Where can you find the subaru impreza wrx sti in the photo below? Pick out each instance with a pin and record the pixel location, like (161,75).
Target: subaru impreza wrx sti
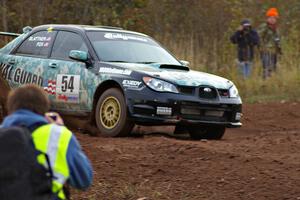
(117,79)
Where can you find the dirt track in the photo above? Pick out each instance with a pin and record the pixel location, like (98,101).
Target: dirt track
(259,161)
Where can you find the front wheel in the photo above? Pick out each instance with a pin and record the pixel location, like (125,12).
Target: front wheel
(206,132)
(111,114)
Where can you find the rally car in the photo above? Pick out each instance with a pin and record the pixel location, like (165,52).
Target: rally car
(117,79)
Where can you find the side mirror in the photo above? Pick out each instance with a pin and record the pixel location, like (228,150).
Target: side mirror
(185,63)
(79,55)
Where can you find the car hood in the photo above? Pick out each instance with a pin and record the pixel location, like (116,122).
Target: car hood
(179,77)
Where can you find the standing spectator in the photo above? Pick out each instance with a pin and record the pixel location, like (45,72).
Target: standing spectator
(245,38)
(270,42)
(27,107)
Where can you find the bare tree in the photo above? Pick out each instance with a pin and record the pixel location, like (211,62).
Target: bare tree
(4,14)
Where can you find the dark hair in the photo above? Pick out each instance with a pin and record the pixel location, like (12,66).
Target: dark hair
(29,97)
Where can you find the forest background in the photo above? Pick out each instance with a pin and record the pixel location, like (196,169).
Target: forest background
(194,30)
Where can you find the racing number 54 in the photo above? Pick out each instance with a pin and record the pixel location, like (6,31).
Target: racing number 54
(67,83)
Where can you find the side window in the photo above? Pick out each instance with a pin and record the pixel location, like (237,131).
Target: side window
(38,44)
(65,42)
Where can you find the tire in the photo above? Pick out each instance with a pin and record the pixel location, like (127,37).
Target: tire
(111,114)
(2,111)
(180,129)
(4,88)
(207,132)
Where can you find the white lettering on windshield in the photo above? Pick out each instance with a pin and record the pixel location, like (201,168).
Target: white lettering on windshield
(113,36)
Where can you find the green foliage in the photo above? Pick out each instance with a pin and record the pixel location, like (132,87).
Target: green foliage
(197,31)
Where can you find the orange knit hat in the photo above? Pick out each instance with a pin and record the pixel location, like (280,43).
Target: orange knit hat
(272,12)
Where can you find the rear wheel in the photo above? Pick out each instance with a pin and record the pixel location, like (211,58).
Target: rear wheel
(206,132)
(2,111)
(4,88)
(111,114)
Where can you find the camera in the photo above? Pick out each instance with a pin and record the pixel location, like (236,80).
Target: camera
(276,40)
(246,28)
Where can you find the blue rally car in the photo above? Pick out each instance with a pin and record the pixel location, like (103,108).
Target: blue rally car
(117,79)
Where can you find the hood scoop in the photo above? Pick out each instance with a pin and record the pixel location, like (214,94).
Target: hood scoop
(178,67)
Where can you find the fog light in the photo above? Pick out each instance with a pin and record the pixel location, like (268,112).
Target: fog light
(164,111)
(238,116)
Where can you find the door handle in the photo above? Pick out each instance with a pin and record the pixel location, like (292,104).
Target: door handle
(11,61)
(53,65)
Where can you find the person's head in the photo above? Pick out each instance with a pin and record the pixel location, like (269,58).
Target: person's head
(246,24)
(272,16)
(272,20)
(29,97)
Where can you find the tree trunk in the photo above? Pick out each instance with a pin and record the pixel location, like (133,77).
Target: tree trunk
(4,14)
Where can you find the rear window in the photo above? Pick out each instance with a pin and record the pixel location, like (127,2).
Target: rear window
(38,44)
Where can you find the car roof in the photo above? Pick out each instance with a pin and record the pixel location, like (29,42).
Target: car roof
(84,28)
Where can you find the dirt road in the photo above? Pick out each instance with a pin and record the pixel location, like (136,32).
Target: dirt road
(259,161)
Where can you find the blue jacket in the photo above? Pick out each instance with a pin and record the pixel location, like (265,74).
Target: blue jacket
(80,167)
(245,42)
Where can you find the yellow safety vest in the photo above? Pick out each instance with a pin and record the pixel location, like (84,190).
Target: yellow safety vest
(54,141)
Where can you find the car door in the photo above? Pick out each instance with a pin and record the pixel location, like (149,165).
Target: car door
(65,82)
(26,64)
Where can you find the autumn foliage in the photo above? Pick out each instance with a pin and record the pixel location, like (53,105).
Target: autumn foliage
(194,30)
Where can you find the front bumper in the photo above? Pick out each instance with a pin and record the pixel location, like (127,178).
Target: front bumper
(153,108)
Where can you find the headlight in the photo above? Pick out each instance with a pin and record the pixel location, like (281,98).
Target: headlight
(159,85)
(233,92)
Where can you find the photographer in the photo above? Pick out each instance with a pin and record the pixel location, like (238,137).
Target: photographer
(270,42)
(66,163)
(245,38)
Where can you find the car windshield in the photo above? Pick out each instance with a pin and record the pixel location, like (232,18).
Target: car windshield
(129,48)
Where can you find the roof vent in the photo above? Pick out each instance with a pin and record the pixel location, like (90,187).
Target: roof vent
(27,29)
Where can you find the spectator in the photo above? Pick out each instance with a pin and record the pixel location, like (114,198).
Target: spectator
(245,38)
(27,106)
(270,42)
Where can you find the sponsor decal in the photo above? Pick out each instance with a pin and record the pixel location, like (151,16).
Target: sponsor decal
(6,71)
(50,87)
(50,29)
(67,88)
(19,75)
(131,84)
(62,97)
(120,36)
(67,98)
(42,44)
(164,111)
(114,70)
(39,39)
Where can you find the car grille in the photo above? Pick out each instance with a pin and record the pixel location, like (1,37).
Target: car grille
(223,92)
(190,110)
(212,94)
(186,90)
(207,92)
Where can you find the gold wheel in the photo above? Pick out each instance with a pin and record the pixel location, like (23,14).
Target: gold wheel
(110,112)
